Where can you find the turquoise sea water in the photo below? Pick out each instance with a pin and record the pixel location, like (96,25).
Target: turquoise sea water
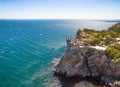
(28,47)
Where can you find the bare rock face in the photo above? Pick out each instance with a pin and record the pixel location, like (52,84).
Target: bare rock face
(85,62)
(117,84)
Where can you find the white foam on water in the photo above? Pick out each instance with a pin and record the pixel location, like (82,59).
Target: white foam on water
(36,76)
(52,82)
(55,61)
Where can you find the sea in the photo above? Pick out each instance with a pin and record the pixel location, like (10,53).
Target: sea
(29,49)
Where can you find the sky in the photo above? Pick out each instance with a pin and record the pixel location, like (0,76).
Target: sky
(59,9)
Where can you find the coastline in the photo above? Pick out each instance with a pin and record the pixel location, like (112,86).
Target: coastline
(64,66)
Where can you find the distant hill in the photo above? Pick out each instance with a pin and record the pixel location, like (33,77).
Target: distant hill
(111,20)
(115,28)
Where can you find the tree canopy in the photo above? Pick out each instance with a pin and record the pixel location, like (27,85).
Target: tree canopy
(114,52)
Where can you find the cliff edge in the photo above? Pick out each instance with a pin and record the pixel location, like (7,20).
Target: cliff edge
(80,60)
(86,61)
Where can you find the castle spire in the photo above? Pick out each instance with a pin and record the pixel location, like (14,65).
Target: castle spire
(68,41)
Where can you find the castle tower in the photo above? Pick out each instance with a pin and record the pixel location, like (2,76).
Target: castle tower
(68,42)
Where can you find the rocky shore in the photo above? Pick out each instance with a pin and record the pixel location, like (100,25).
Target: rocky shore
(86,61)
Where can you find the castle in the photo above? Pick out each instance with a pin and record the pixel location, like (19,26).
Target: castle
(68,42)
(74,45)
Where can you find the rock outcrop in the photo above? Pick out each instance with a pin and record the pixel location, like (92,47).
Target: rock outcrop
(82,58)
(87,62)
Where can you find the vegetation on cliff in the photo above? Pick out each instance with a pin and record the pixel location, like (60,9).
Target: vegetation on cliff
(115,28)
(104,37)
(113,51)
(84,58)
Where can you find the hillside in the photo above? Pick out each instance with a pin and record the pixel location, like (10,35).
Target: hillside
(115,28)
(104,37)
(109,38)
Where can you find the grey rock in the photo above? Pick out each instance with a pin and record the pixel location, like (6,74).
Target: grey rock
(86,62)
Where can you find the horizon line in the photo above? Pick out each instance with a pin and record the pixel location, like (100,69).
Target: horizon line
(53,19)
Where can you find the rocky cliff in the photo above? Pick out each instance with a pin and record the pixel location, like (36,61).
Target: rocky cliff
(85,62)
(88,62)
(82,58)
